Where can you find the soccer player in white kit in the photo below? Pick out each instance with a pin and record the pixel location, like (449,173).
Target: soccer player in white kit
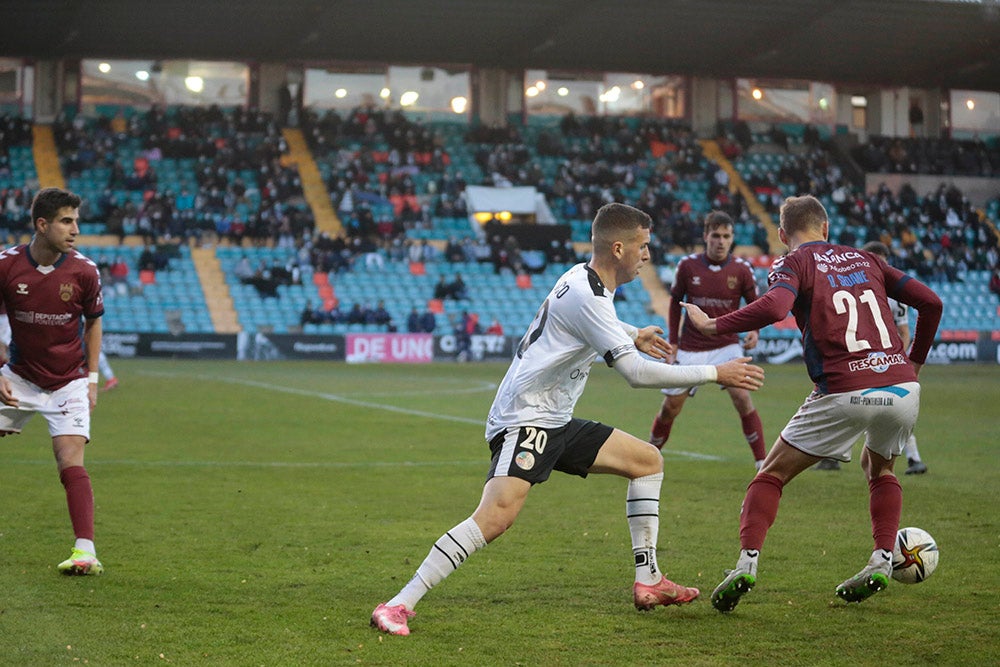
(531,429)
(901,317)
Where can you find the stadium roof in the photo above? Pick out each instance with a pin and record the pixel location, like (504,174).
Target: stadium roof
(920,43)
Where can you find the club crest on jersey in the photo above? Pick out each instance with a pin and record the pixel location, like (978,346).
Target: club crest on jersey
(731,282)
(66,291)
(525,460)
(22,288)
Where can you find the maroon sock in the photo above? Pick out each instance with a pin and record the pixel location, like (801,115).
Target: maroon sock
(661,429)
(885,503)
(754,432)
(80,499)
(760,507)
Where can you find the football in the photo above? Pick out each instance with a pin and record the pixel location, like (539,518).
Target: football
(914,556)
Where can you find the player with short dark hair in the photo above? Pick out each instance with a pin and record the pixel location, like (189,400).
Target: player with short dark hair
(864,383)
(531,429)
(52,294)
(716,282)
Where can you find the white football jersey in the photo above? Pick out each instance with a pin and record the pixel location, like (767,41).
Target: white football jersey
(575,324)
(900,312)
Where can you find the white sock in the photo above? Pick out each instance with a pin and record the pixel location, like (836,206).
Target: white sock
(445,556)
(748,560)
(85,545)
(104,366)
(642,507)
(912,454)
(881,559)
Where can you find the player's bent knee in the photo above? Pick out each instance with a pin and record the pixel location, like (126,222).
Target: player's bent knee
(649,462)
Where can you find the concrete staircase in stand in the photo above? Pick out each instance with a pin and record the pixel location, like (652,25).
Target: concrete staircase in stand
(316,194)
(217,295)
(46,157)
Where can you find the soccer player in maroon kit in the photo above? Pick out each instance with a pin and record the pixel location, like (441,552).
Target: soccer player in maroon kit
(48,288)
(865,383)
(715,281)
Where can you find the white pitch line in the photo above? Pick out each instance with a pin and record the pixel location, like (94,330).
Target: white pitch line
(327,397)
(381,406)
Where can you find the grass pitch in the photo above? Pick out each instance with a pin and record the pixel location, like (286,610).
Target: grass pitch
(255,513)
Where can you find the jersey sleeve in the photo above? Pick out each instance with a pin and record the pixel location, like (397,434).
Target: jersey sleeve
(750,286)
(90,282)
(595,322)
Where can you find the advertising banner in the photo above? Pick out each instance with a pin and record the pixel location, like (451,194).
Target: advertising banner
(389,348)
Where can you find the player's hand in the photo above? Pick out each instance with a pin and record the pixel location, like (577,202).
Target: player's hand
(649,341)
(7,393)
(741,374)
(697,318)
(750,340)
(92,394)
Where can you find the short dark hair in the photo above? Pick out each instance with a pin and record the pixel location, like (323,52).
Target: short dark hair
(877,248)
(614,222)
(716,219)
(48,201)
(802,213)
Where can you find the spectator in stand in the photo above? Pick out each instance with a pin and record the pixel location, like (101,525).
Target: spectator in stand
(457,289)
(379,315)
(147,259)
(413,323)
(442,290)
(495,328)
(995,280)
(311,315)
(243,271)
(454,251)
(357,314)
(119,275)
(428,323)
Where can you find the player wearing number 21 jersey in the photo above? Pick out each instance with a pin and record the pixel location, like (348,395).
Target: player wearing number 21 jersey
(839,297)
(866,384)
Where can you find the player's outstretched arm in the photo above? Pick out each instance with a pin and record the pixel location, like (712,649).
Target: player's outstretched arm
(698,319)
(740,373)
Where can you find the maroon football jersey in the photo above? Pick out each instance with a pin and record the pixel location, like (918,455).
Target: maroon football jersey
(714,287)
(45,306)
(849,338)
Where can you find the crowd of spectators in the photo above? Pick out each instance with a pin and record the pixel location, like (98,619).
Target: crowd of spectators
(915,155)
(390,175)
(15,193)
(221,145)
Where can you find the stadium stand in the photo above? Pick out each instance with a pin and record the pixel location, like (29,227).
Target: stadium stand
(187,177)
